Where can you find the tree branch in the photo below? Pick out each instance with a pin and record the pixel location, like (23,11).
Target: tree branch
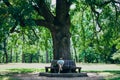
(16,15)
(37,9)
(103,3)
(106,2)
(35,33)
(42,8)
(13,28)
(7,3)
(38,22)
(118,2)
(44,23)
(97,14)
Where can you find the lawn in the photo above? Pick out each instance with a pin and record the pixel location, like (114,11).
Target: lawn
(9,73)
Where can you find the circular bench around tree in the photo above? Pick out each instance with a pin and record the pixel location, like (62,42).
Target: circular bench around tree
(68,67)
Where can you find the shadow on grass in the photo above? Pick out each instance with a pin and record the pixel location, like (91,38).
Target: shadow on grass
(114,74)
(8,74)
(110,71)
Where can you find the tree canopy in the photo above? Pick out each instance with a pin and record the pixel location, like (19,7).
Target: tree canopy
(83,30)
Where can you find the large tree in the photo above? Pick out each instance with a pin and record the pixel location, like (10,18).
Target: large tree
(58,23)
(57,20)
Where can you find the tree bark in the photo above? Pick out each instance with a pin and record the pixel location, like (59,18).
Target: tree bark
(31,58)
(11,51)
(16,57)
(47,60)
(76,57)
(61,42)
(23,57)
(5,50)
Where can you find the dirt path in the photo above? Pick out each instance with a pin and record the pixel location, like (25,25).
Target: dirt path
(35,76)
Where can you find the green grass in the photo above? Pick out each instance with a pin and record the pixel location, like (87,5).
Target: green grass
(9,73)
(109,74)
(117,78)
(24,70)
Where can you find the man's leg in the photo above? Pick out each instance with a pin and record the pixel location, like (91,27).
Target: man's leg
(60,68)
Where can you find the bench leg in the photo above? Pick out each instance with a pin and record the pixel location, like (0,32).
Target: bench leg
(46,69)
(79,70)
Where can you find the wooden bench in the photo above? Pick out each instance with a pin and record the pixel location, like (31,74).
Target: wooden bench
(69,66)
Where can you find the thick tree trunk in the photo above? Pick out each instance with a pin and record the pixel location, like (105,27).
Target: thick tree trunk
(23,57)
(76,58)
(31,58)
(61,42)
(47,56)
(16,57)
(11,51)
(5,50)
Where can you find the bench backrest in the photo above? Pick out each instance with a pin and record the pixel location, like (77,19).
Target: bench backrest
(67,63)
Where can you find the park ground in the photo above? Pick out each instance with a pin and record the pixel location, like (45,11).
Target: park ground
(30,71)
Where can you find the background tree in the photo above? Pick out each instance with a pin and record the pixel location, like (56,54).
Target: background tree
(58,23)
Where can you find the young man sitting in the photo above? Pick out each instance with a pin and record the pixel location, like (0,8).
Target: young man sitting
(60,64)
